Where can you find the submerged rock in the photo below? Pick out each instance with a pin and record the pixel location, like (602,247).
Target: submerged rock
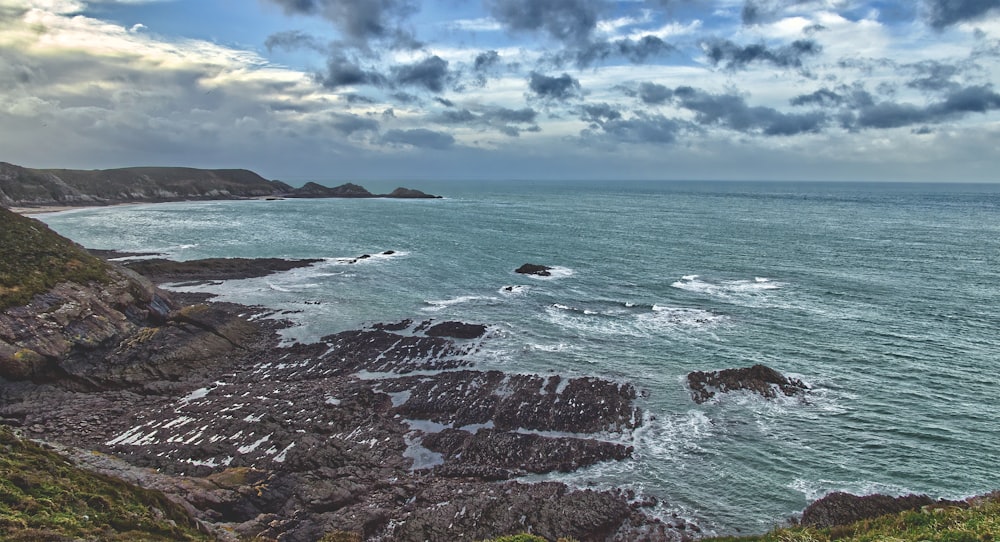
(759,379)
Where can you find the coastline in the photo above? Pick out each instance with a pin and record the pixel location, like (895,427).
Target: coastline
(322,448)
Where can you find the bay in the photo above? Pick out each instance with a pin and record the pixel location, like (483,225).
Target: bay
(884,298)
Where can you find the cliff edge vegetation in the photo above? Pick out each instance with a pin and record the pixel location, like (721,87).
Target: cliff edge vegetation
(33,259)
(979,522)
(44,497)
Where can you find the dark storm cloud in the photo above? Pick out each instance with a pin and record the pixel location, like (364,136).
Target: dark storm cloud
(348,124)
(342,71)
(419,137)
(359,21)
(654,94)
(559,88)
(510,122)
(444,102)
(734,57)
(732,111)
(430,73)
(944,13)
(294,39)
(569,21)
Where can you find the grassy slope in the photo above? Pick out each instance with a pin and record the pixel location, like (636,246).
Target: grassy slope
(979,523)
(43,497)
(34,258)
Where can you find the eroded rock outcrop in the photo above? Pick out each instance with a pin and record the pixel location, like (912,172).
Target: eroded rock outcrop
(843,508)
(759,379)
(534,269)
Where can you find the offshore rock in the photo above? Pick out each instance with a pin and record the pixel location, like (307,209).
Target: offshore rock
(759,379)
(162,271)
(534,269)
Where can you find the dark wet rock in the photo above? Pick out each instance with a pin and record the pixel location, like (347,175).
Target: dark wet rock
(534,269)
(843,508)
(394,326)
(115,254)
(389,252)
(456,330)
(162,271)
(382,352)
(510,402)
(758,379)
(521,453)
(550,510)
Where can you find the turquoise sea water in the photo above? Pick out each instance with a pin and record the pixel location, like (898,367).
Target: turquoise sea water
(884,298)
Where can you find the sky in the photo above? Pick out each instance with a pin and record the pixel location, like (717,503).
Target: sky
(340,90)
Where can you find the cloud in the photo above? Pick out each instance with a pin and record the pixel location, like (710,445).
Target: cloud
(635,51)
(758,11)
(933,76)
(568,21)
(342,71)
(944,13)
(731,111)
(348,124)
(294,39)
(510,122)
(858,109)
(735,57)
(560,88)
(608,124)
(654,94)
(419,137)
(360,21)
(430,73)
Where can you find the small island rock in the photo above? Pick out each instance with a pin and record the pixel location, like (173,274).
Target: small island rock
(759,379)
(534,269)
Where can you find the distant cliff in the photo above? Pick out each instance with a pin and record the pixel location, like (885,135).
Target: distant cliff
(26,187)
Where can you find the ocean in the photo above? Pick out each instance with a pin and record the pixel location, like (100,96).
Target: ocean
(883,298)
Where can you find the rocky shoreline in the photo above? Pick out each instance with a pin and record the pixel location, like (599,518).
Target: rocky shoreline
(384,433)
(292,443)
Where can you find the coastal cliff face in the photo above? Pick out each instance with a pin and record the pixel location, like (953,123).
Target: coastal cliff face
(21,186)
(74,319)
(26,187)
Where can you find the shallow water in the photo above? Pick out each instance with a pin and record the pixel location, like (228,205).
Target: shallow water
(884,298)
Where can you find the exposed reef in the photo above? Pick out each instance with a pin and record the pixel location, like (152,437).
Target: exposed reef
(759,379)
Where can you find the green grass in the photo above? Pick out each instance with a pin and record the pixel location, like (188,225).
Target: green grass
(34,258)
(979,523)
(44,497)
